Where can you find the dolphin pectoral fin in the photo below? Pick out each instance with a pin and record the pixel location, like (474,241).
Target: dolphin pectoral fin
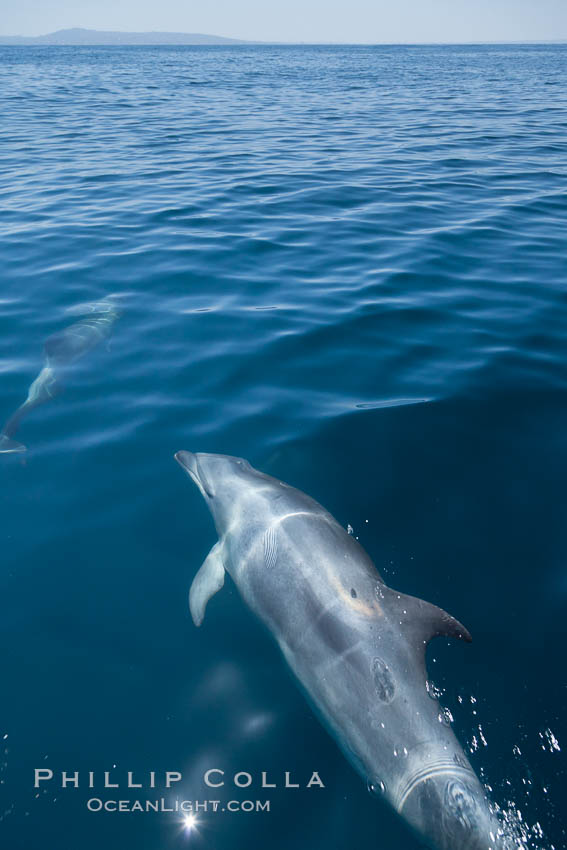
(421,621)
(206,583)
(9,446)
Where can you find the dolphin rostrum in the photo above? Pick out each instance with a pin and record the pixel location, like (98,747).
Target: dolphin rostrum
(60,351)
(356,646)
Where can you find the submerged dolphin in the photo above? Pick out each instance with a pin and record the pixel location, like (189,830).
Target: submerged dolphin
(356,646)
(60,351)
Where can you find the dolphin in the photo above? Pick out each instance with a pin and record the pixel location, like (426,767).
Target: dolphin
(60,351)
(356,646)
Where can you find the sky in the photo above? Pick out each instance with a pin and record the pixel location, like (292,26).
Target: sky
(352,21)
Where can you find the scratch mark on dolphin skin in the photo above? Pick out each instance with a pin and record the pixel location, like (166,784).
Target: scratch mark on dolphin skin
(270,548)
(383,680)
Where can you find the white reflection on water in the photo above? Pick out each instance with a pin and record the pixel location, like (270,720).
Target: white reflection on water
(390,402)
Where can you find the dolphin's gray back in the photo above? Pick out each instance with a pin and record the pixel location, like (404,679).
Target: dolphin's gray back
(356,646)
(68,345)
(60,350)
(294,558)
(338,626)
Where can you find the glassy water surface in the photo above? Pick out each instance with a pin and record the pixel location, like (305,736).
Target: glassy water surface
(347,265)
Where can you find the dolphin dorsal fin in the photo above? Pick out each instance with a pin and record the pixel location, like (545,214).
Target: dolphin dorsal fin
(206,583)
(422,621)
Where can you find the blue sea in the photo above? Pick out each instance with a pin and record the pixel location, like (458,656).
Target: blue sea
(347,265)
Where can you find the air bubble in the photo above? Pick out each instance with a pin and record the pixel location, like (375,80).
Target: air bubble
(445,717)
(379,592)
(433,691)
(550,742)
(376,787)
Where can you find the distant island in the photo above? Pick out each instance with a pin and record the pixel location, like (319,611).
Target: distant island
(79,36)
(102,37)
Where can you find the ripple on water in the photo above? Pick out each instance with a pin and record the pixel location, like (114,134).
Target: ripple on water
(346,264)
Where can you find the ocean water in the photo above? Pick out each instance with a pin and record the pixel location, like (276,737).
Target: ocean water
(348,265)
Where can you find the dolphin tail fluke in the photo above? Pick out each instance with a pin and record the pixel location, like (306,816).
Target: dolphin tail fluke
(42,389)
(9,446)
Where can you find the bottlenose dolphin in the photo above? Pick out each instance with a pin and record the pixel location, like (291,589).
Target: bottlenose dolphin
(60,351)
(356,646)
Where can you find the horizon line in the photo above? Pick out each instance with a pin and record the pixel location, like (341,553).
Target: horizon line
(256,42)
